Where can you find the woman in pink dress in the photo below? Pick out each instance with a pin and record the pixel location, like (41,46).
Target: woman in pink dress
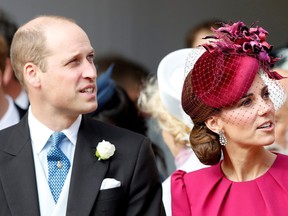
(230,94)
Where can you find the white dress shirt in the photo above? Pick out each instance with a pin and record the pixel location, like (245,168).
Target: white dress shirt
(39,136)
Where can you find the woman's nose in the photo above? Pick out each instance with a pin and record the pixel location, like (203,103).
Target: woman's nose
(265,106)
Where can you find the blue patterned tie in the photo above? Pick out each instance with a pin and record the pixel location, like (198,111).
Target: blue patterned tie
(58,165)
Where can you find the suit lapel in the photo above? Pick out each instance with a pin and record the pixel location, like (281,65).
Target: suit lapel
(18,177)
(87,173)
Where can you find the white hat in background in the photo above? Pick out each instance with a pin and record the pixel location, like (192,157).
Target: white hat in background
(171,75)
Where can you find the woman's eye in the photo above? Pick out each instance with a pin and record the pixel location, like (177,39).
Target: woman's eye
(246,102)
(266,95)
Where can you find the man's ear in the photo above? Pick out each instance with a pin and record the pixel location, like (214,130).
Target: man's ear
(214,123)
(31,74)
(7,73)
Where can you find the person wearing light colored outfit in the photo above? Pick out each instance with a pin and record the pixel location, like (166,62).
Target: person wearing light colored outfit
(161,99)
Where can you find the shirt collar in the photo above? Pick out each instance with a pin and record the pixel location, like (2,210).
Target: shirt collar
(40,133)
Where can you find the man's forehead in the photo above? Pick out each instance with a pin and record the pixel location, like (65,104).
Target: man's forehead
(47,21)
(66,35)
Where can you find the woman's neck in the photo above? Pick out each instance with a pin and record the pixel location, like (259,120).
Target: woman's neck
(248,164)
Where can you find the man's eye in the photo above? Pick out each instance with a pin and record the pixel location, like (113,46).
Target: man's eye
(90,58)
(74,61)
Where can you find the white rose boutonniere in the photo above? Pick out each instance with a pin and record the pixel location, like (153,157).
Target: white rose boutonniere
(104,150)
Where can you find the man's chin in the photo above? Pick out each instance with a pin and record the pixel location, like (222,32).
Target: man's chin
(90,109)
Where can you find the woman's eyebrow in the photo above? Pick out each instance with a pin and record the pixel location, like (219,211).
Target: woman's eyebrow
(250,94)
(247,95)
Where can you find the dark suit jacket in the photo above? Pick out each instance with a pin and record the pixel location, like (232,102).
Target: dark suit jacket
(21,111)
(133,164)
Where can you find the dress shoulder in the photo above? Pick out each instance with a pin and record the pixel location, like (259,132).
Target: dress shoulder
(187,187)
(180,203)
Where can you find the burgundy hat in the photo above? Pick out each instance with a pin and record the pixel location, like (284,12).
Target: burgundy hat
(225,72)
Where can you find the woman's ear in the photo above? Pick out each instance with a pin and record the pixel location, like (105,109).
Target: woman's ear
(31,74)
(214,124)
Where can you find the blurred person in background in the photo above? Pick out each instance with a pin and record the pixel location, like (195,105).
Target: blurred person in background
(281,127)
(195,36)
(10,113)
(116,107)
(161,100)
(127,74)
(10,83)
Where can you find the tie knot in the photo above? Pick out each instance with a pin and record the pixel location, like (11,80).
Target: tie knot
(57,138)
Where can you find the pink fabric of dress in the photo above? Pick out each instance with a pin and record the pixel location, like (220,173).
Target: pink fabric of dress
(207,192)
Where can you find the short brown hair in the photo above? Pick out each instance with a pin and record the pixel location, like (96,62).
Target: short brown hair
(205,25)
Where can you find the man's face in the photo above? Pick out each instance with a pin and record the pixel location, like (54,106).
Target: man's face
(69,83)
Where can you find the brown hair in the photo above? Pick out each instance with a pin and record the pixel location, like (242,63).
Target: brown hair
(205,144)
(3,53)
(205,25)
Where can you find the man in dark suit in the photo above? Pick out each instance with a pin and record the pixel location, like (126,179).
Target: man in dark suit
(108,170)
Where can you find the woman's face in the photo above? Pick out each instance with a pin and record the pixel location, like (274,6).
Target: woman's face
(251,121)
